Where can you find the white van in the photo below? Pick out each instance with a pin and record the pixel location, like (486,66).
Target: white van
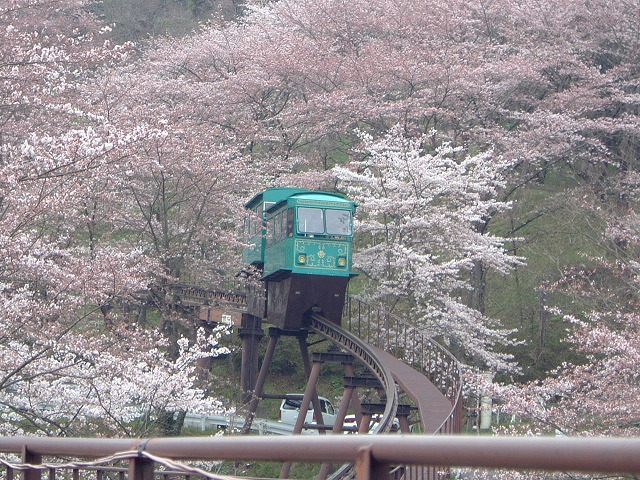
(351,426)
(290,407)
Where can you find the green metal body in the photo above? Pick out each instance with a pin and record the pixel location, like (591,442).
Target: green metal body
(254,227)
(282,239)
(321,257)
(300,238)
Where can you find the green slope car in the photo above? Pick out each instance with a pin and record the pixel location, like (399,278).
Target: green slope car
(302,242)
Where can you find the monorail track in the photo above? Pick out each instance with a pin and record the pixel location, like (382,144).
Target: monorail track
(366,355)
(430,376)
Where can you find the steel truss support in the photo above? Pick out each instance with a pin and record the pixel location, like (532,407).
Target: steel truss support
(251,333)
(258,391)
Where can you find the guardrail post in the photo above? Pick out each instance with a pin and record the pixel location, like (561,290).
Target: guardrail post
(367,468)
(33,459)
(141,468)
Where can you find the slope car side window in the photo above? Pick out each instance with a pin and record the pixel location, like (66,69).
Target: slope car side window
(289,223)
(310,220)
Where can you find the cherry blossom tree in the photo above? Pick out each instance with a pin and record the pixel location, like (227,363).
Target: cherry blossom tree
(418,217)
(593,398)
(594,393)
(85,383)
(287,86)
(67,356)
(594,103)
(291,81)
(120,178)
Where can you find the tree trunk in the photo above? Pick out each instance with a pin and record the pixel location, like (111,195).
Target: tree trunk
(478,287)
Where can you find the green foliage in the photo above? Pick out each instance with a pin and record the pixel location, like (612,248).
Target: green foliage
(286,359)
(552,235)
(269,470)
(138,20)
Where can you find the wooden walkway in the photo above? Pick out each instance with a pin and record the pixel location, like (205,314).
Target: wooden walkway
(434,407)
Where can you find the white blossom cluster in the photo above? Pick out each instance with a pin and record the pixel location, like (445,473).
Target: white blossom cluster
(421,216)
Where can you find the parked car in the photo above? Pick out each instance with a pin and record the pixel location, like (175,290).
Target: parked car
(290,407)
(350,425)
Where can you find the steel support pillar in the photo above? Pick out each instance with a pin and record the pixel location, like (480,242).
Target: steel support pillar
(337,427)
(251,333)
(309,394)
(304,350)
(262,376)
(355,398)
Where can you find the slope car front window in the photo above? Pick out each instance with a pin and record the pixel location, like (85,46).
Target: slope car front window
(310,220)
(338,222)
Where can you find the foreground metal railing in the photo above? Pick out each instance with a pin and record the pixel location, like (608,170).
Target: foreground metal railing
(148,459)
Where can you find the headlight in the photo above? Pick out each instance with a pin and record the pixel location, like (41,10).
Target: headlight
(342,261)
(301,259)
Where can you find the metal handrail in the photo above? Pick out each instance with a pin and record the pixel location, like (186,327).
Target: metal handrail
(371,453)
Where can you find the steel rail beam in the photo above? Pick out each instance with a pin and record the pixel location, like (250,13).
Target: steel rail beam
(362,351)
